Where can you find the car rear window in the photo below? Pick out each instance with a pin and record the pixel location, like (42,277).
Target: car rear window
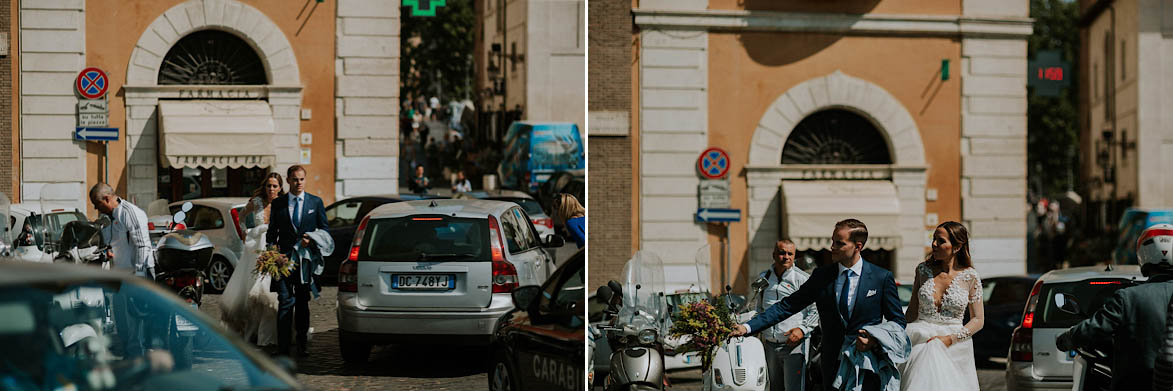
(532,207)
(426,238)
(1090,294)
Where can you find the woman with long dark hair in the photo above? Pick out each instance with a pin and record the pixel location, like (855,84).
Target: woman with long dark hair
(946,286)
(247,306)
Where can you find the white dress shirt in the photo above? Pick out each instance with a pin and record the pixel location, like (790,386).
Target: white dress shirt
(293,201)
(856,270)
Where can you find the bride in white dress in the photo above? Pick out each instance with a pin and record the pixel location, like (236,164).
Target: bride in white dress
(946,285)
(246,305)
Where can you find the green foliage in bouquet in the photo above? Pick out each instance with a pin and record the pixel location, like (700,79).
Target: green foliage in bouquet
(707,325)
(273,263)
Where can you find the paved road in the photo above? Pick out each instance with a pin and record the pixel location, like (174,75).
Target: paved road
(991,377)
(398,367)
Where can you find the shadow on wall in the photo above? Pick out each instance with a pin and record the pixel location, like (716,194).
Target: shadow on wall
(838,6)
(766,48)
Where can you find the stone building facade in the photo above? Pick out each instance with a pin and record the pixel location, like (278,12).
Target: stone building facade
(315,85)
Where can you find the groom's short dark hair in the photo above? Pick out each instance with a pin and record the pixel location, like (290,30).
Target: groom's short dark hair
(858,233)
(292,169)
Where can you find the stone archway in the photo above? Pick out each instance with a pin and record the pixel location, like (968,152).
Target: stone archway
(765,171)
(283,93)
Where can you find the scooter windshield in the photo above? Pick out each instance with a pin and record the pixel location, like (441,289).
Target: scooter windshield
(643,293)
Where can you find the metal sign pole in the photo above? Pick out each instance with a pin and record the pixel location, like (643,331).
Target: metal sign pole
(728,255)
(106,160)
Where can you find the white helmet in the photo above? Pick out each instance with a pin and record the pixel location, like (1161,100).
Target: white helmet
(1155,245)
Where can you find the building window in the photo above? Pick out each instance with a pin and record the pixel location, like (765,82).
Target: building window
(836,136)
(212,57)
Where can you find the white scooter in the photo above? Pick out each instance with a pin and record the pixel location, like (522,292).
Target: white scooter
(739,364)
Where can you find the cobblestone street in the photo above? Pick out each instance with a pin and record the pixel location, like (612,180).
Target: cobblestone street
(399,367)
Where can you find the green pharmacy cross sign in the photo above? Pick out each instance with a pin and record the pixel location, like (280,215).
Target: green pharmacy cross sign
(1048,74)
(424,7)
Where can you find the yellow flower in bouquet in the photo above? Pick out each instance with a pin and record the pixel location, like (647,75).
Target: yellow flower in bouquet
(273,263)
(707,326)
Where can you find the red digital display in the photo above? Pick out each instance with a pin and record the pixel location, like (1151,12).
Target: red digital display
(1051,73)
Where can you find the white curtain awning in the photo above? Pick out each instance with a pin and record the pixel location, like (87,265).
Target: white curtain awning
(216,133)
(810,210)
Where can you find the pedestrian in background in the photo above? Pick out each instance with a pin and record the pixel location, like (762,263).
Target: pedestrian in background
(419,183)
(131,244)
(571,215)
(461,184)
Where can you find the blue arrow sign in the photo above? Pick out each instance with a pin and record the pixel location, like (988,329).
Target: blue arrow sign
(711,215)
(95,134)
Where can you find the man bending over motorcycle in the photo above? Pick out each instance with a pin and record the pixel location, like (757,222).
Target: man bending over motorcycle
(1133,319)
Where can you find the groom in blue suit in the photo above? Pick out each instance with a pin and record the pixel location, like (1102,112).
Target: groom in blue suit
(850,294)
(290,218)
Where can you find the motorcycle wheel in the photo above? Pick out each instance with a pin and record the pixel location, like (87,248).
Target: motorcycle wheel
(502,376)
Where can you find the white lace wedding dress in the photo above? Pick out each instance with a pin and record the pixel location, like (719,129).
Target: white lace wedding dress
(932,366)
(246,304)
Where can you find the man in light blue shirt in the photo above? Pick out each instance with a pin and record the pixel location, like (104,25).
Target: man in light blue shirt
(786,342)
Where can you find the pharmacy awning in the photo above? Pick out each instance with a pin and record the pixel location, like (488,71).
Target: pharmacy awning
(216,133)
(810,210)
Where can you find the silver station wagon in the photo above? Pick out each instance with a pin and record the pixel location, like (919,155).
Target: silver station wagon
(436,271)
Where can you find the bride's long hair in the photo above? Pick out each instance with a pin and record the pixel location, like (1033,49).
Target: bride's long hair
(959,238)
(260,190)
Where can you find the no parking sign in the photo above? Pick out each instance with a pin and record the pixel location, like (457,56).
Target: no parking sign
(713,163)
(92,83)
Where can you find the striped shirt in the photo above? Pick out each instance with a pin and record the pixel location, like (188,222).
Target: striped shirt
(128,237)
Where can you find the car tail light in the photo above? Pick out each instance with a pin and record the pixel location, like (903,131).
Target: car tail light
(547,222)
(495,244)
(236,223)
(150,226)
(1022,345)
(1022,341)
(504,273)
(354,246)
(1028,315)
(504,277)
(348,276)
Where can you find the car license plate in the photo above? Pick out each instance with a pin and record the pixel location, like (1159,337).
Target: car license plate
(423,281)
(182,324)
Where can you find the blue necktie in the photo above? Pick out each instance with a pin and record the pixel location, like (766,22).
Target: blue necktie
(843,309)
(297,213)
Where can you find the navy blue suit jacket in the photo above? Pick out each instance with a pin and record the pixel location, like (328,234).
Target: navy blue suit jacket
(281,230)
(820,290)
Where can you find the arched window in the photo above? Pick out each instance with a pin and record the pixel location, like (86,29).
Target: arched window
(835,136)
(212,57)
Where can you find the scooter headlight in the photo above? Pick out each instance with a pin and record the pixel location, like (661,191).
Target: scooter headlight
(761,376)
(647,337)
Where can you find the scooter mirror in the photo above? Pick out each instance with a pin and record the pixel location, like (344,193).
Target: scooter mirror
(603,294)
(186,206)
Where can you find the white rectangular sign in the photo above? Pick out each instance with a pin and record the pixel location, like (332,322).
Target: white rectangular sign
(714,193)
(93,106)
(100,120)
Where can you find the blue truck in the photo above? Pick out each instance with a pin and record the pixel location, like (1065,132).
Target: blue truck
(535,151)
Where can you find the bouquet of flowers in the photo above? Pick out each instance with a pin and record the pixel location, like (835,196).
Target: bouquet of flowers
(273,263)
(707,325)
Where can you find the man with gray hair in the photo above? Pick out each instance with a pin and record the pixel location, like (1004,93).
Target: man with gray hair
(127,234)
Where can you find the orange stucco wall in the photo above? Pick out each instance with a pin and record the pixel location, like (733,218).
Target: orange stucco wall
(931,7)
(747,72)
(113,28)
